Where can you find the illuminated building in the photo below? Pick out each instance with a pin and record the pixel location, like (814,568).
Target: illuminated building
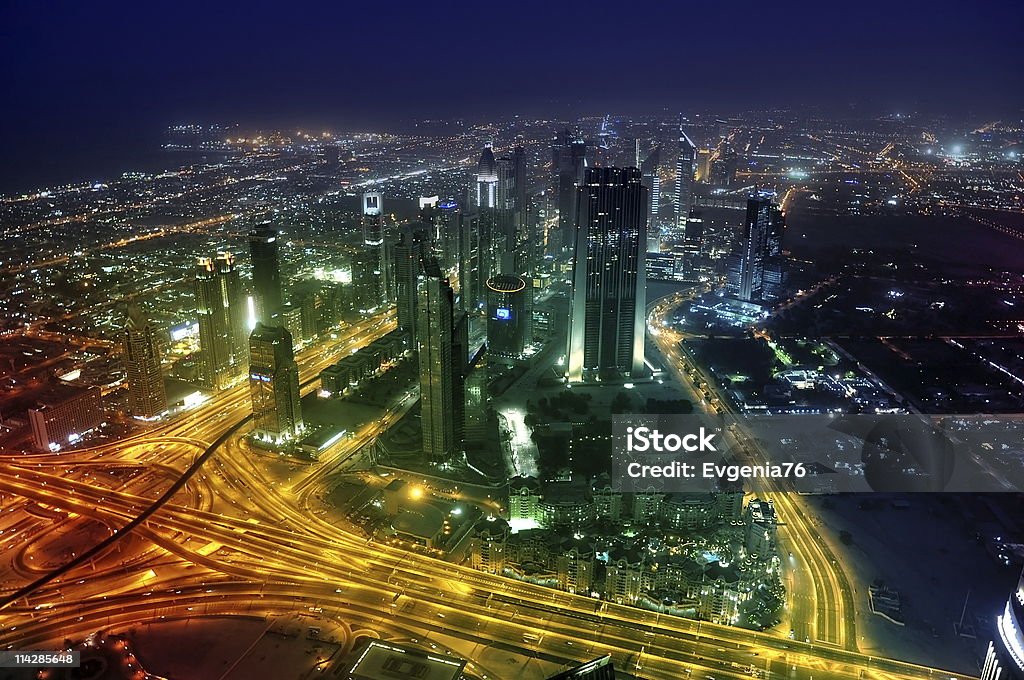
(435,326)
(624,575)
(374,263)
(373,218)
(520,200)
(475,418)
(487,179)
(266,272)
(693,243)
(569,151)
(685,167)
(607,321)
(652,180)
(1004,659)
(508,318)
(745,266)
(274,385)
(487,549)
(221,311)
(65,417)
(408,256)
(761,524)
(661,266)
(147,397)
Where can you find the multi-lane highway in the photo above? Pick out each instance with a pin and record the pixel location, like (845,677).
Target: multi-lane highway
(237,539)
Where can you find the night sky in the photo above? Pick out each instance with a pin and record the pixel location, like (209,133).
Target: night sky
(91,85)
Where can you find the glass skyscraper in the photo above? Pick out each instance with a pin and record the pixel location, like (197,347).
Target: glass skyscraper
(607,323)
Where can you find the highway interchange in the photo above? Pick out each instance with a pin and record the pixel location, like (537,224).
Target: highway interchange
(233,538)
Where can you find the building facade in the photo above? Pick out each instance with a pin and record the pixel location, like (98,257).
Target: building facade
(607,314)
(274,386)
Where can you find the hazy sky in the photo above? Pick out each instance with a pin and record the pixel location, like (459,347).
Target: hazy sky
(91,85)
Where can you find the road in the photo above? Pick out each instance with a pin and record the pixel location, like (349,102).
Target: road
(821,603)
(241,542)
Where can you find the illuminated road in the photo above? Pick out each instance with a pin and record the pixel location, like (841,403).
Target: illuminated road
(820,600)
(241,542)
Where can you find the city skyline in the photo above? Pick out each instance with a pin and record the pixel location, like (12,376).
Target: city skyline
(906,58)
(678,366)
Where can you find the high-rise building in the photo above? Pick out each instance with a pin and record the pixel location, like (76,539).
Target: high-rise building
(266,271)
(569,151)
(65,417)
(487,179)
(435,329)
(220,310)
(607,323)
(274,385)
(234,295)
(446,220)
(745,266)
(472,253)
(409,253)
(520,204)
(375,259)
(1004,659)
(373,218)
(693,243)
(147,397)
(685,167)
(652,180)
(508,317)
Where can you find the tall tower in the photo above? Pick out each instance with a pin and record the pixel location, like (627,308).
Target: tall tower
(234,295)
(1005,657)
(373,218)
(746,263)
(372,221)
(437,363)
(487,179)
(409,253)
(147,397)
(685,167)
(266,272)
(274,385)
(606,331)
(652,180)
(218,306)
(569,152)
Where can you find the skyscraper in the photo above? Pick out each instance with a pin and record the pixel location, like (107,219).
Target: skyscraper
(234,294)
(147,397)
(652,180)
(274,385)
(685,166)
(266,272)
(1004,659)
(569,151)
(746,263)
(487,179)
(508,318)
(379,288)
(607,323)
(373,218)
(220,310)
(408,254)
(437,363)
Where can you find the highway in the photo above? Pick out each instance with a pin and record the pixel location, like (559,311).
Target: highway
(238,539)
(821,603)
